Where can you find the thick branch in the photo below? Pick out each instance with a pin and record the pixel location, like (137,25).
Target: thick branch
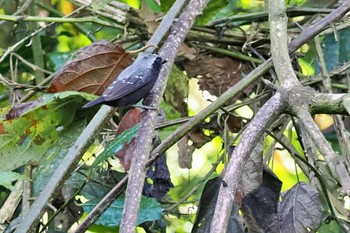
(328,103)
(299,97)
(143,142)
(279,49)
(233,171)
(333,160)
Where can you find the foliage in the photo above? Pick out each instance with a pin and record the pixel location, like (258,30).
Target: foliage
(40,121)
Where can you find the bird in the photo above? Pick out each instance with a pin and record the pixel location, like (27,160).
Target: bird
(132,84)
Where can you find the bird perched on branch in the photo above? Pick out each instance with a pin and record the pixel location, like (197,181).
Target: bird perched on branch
(133,83)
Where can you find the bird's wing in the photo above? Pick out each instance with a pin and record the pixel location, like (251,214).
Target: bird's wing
(125,86)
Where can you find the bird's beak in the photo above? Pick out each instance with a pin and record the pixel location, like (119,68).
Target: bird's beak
(164,61)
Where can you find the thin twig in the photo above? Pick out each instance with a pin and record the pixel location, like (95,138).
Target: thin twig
(66,19)
(23,40)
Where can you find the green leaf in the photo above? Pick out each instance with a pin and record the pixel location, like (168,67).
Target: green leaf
(166,4)
(210,11)
(333,226)
(28,131)
(150,210)
(336,52)
(116,144)
(153,6)
(333,140)
(55,154)
(344,46)
(6,179)
(57,59)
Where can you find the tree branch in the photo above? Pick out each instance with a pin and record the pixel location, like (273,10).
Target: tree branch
(233,171)
(144,140)
(279,46)
(334,161)
(341,132)
(299,97)
(268,112)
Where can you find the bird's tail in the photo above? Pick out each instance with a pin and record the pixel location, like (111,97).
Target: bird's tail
(94,102)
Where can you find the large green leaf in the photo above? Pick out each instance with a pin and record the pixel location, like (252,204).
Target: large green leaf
(29,130)
(150,210)
(54,156)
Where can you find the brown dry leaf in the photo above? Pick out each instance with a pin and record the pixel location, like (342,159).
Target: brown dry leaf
(92,69)
(198,137)
(131,118)
(234,123)
(185,152)
(187,52)
(218,73)
(148,17)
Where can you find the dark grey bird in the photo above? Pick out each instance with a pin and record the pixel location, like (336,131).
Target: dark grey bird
(132,84)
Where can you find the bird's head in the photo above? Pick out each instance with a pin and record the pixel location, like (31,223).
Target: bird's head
(151,60)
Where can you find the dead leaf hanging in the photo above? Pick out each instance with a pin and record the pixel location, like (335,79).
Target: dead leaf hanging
(92,69)
(218,73)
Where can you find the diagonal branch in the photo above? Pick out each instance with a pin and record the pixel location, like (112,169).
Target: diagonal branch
(334,161)
(144,140)
(233,171)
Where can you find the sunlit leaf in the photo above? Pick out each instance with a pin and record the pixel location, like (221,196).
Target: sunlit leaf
(27,131)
